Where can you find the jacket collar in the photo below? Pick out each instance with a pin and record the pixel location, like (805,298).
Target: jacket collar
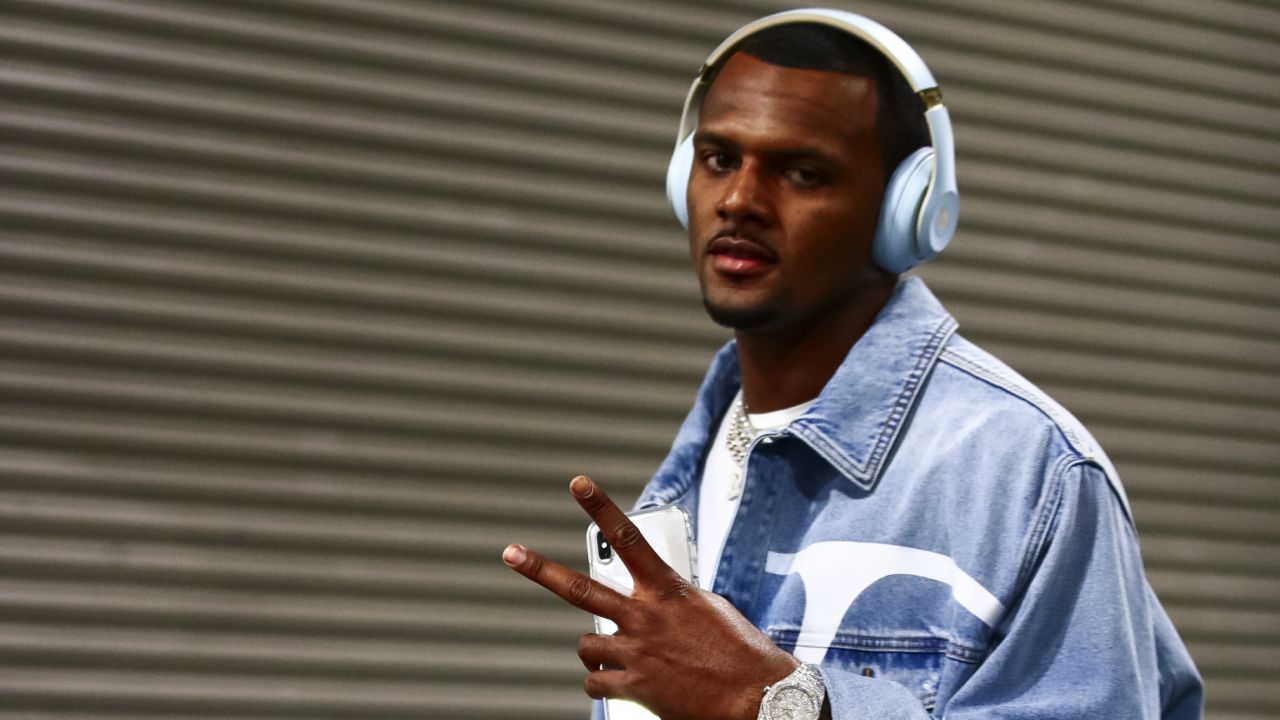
(858,415)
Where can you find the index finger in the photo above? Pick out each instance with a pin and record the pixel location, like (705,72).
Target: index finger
(646,567)
(573,587)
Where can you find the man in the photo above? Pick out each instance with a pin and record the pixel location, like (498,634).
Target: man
(891,523)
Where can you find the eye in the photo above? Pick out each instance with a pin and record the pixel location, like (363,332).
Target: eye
(804,177)
(718,161)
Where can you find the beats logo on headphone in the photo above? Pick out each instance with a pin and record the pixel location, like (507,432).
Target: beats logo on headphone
(921,203)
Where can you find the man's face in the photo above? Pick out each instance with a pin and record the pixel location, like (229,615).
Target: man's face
(785,193)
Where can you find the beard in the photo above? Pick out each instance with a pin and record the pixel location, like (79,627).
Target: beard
(739,318)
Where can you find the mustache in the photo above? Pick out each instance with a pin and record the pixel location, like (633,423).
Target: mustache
(741,241)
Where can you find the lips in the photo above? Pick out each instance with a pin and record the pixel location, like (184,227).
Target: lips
(734,253)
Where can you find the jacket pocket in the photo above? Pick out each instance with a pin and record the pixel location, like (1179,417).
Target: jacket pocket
(915,662)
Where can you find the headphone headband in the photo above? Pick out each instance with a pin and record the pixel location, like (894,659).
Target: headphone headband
(893,48)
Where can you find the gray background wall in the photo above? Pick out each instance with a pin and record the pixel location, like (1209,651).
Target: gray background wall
(308,308)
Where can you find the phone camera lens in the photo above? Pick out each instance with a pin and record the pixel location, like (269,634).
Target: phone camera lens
(602,547)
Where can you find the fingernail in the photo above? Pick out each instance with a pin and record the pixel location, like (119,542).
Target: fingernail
(580,486)
(513,555)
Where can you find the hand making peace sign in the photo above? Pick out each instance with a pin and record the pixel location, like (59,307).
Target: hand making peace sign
(681,651)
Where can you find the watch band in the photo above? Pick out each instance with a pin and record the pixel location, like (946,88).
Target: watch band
(798,696)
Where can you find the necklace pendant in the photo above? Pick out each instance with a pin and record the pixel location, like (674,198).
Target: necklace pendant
(735,485)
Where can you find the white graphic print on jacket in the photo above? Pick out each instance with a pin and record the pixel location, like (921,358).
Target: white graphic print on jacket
(829,595)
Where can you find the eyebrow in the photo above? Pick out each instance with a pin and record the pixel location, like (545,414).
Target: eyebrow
(799,153)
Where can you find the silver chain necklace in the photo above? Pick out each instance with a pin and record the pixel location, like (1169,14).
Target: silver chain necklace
(738,439)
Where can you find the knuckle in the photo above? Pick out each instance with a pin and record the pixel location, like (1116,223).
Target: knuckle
(533,565)
(626,535)
(676,589)
(580,590)
(593,504)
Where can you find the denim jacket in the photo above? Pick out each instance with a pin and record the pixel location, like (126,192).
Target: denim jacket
(941,538)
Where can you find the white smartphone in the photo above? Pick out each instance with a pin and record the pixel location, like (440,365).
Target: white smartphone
(670,534)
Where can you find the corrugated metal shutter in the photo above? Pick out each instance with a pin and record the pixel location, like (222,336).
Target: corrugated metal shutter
(308,308)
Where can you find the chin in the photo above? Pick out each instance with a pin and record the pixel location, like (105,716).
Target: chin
(733,317)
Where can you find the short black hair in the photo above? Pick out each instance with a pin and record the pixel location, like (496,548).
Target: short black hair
(900,124)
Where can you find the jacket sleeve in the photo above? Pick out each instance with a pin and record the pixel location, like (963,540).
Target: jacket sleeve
(1086,638)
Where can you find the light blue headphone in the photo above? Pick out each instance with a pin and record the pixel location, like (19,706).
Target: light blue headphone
(921,202)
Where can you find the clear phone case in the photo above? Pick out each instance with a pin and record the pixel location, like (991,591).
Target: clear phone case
(670,533)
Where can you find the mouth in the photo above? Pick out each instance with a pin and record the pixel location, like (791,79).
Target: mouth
(736,254)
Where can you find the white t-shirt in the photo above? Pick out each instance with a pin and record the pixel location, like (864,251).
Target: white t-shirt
(715,507)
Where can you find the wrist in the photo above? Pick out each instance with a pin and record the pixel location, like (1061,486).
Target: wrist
(779,668)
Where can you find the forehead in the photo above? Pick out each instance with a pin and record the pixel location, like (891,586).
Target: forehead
(756,99)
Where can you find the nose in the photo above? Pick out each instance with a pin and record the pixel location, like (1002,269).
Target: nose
(746,197)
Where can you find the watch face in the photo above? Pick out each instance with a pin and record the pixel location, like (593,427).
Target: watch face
(793,703)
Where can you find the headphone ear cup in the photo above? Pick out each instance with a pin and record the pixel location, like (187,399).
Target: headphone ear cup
(678,180)
(896,247)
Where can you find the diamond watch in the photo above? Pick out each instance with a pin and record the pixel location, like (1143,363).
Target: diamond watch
(797,696)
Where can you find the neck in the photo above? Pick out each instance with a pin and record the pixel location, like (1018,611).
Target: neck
(786,366)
